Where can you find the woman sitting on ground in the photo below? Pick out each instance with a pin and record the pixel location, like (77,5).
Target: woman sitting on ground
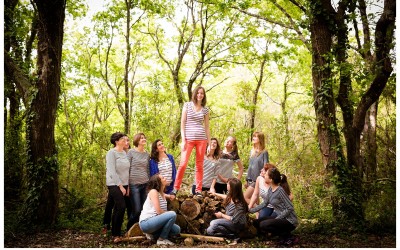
(234,220)
(155,221)
(286,219)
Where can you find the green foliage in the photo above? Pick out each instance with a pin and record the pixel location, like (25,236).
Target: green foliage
(236,44)
(380,209)
(40,175)
(80,212)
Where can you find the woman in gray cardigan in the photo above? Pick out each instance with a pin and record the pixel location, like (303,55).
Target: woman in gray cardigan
(117,176)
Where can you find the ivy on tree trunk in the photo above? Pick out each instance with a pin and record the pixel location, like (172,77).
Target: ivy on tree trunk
(42,201)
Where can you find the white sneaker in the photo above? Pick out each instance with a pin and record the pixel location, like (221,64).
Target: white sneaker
(149,236)
(164,242)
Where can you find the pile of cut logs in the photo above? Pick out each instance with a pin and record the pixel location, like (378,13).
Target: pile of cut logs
(194,215)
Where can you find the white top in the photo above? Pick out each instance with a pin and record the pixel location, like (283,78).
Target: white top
(149,211)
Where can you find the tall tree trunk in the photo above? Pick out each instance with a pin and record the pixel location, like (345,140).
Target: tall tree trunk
(347,203)
(349,182)
(42,167)
(370,146)
(127,112)
(260,80)
(285,119)
(328,135)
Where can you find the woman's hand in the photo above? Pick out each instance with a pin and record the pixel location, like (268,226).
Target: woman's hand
(123,190)
(170,196)
(183,145)
(218,215)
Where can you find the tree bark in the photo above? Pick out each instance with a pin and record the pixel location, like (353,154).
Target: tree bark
(347,173)
(370,145)
(42,166)
(328,136)
(126,115)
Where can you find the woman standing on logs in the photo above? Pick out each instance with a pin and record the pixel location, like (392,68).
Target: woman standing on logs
(234,220)
(138,176)
(229,157)
(155,221)
(286,220)
(258,158)
(211,163)
(195,132)
(117,178)
(163,163)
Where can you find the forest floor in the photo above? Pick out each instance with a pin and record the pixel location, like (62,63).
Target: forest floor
(77,239)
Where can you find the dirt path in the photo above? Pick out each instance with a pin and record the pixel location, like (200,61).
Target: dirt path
(77,239)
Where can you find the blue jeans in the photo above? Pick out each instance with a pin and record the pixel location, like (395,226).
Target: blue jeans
(138,197)
(265,212)
(161,226)
(223,227)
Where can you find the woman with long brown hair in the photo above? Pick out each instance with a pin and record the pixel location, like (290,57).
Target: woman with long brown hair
(231,222)
(258,158)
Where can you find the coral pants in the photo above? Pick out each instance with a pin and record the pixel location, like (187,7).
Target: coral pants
(201,146)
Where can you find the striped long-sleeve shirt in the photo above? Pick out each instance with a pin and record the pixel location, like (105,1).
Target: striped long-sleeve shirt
(281,203)
(139,170)
(209,172)
(237,212)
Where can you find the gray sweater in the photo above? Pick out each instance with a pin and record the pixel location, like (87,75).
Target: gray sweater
(283,207)
(256,164)
(117,164)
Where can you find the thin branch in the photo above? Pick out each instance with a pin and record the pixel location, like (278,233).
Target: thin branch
(262,18)
(299,6)
(271,98)
(294,26)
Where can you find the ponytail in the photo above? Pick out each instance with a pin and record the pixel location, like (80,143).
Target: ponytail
(284,184)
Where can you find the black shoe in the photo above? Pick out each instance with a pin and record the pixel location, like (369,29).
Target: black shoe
(289,241)
(199,195)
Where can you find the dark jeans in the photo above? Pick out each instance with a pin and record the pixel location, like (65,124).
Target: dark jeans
(221,188)
(119,209)
(138,196)
(109,208)
(266,212)
(223,227)
(202,189)
(280,227)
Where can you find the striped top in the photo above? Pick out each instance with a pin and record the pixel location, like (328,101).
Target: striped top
(117,168)
(165,169)
(227,162)
(283,207)
(238,214)
(149,210)
(139,170)
(263,189)
(194,128)
(209,172)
